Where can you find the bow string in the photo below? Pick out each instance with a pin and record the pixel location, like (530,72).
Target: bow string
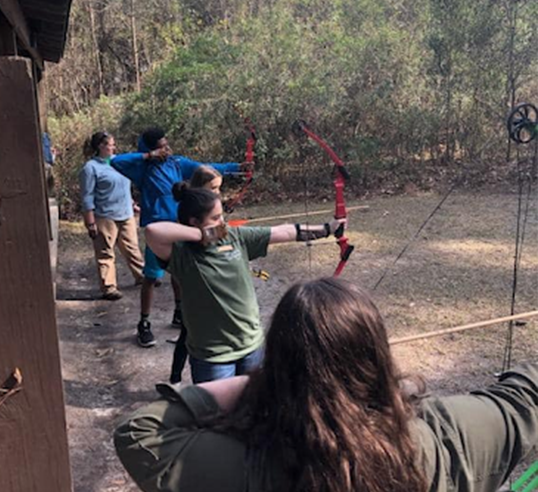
(522,126)
(230,205)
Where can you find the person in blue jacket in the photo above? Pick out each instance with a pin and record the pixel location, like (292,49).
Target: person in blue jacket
(49,156)
(154,170)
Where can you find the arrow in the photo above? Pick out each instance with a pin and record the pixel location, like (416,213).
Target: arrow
(240,222)
(480,324)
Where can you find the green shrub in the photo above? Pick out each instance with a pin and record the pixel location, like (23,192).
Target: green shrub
(68,135)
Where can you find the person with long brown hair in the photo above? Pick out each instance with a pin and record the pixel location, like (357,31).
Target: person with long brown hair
(327,412)
(206,177)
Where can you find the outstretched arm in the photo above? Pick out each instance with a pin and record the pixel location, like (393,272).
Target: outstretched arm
(295,232)
(161,236)
(133,165)
(188,166)
(486,434)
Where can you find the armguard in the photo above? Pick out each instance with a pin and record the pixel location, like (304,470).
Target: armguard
(304,235)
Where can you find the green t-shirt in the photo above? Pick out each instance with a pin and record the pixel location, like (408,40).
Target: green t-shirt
(220,309)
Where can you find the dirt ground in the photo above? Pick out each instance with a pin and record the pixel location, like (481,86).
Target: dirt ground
(458,271)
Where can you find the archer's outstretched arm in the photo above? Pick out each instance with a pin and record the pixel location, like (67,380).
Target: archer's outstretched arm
(133,165)
(484,435)
(299,232)
(161,237)
(188,166)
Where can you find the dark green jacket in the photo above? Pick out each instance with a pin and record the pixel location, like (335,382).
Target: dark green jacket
(468,443)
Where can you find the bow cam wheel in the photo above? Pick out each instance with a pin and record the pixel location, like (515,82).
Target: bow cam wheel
(522,123)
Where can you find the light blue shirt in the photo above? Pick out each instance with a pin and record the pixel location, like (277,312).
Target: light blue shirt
(105,191)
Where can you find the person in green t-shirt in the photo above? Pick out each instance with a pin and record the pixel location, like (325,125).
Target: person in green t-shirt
(329,411)
(210,261)
(209,178)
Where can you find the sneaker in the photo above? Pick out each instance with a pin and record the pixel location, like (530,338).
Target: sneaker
(145,338)
(177,320)
(112,295)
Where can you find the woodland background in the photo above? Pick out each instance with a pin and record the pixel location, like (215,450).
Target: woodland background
(411,93)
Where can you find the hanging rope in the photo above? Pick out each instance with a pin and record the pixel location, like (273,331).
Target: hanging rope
(306,204)
(422,226)
(522,129)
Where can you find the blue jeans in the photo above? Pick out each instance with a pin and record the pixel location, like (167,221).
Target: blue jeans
(203,371)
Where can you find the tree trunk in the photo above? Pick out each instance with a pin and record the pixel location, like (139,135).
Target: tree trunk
(135,46)
(511,76)
(97,51)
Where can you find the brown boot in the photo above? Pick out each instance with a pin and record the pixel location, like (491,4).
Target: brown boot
(112,295)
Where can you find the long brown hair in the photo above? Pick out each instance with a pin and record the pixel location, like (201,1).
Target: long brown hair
(327,403)
(203,175)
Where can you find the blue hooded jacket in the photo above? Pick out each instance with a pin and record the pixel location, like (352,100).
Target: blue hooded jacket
(155,179)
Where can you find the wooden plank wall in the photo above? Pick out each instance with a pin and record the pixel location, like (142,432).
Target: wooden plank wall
(33,443)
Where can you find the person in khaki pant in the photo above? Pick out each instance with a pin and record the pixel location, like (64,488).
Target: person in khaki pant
(108,214)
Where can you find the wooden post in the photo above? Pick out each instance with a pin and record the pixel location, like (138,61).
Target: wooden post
(33,443)
(8,40)
(12,11)
(42,101)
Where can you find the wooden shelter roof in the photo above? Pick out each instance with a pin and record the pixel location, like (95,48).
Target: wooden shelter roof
(40,26)
(48,20)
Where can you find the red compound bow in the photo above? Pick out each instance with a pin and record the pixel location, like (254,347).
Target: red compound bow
(229,206)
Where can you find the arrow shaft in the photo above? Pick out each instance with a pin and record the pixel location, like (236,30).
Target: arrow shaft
(457,329)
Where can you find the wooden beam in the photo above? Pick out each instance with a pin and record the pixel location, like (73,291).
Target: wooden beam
(14,15)
(42,102)
(8,40)
(33,445)
(457,329)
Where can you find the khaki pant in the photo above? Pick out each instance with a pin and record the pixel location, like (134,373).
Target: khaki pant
(125,233)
